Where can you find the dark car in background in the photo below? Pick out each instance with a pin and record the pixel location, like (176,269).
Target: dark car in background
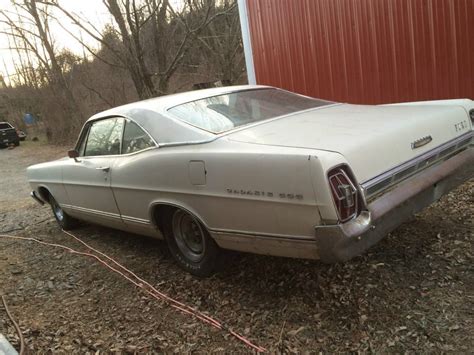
(8,135)
(21,135)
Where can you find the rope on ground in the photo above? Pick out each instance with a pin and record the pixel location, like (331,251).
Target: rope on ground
(15,324)
(140,283)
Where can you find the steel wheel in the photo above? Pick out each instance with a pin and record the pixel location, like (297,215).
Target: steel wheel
(58,211)
(65,221)
(189,235)
(189,242)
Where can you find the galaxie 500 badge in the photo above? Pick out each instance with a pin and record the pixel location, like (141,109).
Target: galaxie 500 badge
(264,194)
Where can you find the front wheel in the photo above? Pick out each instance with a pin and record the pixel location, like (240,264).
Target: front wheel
(65,221)
(190,244)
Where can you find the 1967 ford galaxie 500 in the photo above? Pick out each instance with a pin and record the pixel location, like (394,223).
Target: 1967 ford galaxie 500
(259,169)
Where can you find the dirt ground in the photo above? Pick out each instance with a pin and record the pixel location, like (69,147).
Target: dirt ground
(413,292)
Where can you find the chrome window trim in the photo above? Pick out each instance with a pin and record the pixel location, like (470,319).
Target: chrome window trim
(170,114)
(91,123)
(235,130)
(144,130)
(116,155)
(452,144)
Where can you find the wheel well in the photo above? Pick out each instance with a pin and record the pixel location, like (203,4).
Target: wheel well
(160,213)
(44,193)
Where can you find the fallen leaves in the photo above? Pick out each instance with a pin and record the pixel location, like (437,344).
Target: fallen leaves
(410,293)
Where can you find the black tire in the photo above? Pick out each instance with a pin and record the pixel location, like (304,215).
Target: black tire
(190,243)
(65,221)
(16,143)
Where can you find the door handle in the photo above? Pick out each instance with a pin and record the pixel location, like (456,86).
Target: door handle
(105,169)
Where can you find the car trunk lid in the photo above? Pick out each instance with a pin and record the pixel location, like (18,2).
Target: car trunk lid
(373,139)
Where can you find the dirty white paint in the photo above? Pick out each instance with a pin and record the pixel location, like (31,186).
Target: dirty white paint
(5,347)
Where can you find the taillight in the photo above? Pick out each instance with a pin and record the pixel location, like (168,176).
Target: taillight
(344,192)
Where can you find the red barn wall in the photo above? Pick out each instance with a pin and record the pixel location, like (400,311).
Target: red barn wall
(365,51)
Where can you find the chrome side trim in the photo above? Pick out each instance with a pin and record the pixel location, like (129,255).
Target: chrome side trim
(114,216)
(259,234)
(268,245)
(417,164)
(93,212)
(135,220)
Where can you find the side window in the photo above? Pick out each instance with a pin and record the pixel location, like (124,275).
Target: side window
(135,138)
(104,137)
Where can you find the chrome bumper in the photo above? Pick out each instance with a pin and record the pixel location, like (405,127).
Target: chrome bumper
(36,198)
(344,241)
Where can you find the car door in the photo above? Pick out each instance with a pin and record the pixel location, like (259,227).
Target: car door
(87,179)
(131,195)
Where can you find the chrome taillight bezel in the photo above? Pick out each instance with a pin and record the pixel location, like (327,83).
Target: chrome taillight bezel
(345,193)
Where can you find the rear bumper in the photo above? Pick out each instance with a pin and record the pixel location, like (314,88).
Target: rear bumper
(344,241)
(8,141)
(8,137)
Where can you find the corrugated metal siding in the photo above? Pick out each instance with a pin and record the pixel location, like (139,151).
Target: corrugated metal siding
(365,51)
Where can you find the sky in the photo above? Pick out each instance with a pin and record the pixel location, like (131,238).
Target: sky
(92,10)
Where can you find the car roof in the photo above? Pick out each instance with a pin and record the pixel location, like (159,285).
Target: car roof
(152,115)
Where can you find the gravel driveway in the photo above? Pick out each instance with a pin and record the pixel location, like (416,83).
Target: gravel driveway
(412,292)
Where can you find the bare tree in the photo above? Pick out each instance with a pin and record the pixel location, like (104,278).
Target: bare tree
(221,45)
(172,31)
(31,33)
(150,48)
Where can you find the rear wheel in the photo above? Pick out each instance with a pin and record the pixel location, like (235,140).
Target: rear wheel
(190,243)
(65,221)
(17,143)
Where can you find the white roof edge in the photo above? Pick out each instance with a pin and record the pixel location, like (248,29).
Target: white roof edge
(152,115)
(173,100)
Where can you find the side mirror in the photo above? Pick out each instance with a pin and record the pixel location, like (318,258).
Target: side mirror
(74,154)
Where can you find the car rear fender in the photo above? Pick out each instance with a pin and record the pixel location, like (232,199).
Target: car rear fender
(157,209)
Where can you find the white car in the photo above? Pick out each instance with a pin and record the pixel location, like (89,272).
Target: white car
(259,169)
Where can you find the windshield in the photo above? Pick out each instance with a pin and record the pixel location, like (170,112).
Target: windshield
(4,125)
(222,113)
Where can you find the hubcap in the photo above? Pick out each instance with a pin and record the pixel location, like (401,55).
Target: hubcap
(189,236)
(58,211)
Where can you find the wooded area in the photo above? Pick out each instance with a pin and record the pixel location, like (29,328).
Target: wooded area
(151,48)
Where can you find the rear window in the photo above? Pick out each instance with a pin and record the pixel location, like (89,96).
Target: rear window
(5,125)
(222,113)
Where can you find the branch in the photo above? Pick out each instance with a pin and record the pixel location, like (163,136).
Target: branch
(98,94)
(90,50)
(80,25)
